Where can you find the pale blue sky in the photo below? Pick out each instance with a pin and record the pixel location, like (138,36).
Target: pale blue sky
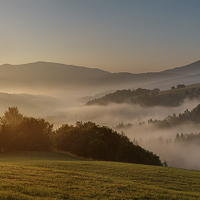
(114,35)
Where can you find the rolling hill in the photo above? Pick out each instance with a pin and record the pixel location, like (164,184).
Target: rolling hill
(46,76)
(144,97)
(50,77)
(57,176)
(191,69)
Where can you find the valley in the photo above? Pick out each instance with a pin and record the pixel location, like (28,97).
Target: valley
(63,100)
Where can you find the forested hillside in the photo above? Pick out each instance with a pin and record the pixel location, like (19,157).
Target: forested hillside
(170,121)
(145,97)
(88,140)
(192,116)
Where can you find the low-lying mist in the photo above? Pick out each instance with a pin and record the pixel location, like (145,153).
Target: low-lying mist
(160,141)
(163,143)
(113,114)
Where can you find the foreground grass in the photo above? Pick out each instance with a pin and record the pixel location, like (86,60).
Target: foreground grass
(58,176)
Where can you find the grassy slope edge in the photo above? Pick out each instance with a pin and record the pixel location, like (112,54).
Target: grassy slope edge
(36,175)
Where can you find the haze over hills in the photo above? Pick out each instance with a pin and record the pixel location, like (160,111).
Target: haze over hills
(191,69)
(47,76)
(34,105)
(188,74)
(166,84)
(48,70)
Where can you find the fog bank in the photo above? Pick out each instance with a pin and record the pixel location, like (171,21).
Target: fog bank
(147,135)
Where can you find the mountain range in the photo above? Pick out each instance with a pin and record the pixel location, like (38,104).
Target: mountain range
(53,77)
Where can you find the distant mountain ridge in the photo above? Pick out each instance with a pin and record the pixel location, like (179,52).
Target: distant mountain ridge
(46,70)
(54,76)
(191,69)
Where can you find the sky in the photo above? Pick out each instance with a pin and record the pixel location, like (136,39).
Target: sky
(114,35)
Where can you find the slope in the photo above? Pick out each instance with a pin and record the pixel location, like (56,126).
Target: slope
(47,77)
(191,69)
(146,97)
(59,179)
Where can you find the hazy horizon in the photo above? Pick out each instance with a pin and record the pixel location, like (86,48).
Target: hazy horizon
(42,61)
(131,36)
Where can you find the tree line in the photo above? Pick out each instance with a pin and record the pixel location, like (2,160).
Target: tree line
(187,116)
(191,138)
(88,140)
(147,98)
(120,96)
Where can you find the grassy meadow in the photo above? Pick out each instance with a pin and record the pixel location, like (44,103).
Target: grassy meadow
(46,175)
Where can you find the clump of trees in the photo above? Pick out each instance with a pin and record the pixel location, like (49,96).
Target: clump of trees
(102,143)
(121,125)
(18,132)
(192,116)
(24,133)
(179,86)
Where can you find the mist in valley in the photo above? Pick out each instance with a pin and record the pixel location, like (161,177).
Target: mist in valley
(161,141)
(66,108)
(60,98)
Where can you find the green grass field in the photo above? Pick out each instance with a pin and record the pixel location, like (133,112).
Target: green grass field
(35,175)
